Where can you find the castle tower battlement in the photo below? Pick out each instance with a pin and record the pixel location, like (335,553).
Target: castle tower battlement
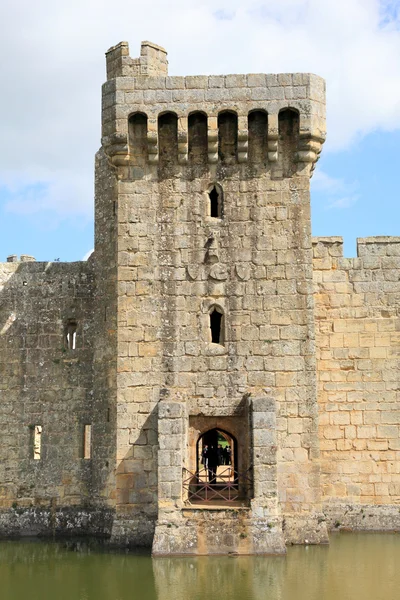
(147,91)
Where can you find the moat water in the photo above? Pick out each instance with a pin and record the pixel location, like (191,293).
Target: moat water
(353,567)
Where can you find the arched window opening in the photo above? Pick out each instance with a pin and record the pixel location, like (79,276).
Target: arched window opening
(216,204)
(289,124)
(217,325)
(168,139)
(258,136)
(137,135)
(198,141)
(71,327)
(227,137)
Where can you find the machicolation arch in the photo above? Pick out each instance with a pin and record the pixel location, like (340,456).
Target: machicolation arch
(197,138)
(258,136)
(227,136)
(137,138)
(191,140)
(168,139)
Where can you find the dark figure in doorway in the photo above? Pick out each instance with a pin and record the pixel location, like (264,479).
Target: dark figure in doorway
(224,456)
(212,464)
(220,455)
(228,455)
(204,457)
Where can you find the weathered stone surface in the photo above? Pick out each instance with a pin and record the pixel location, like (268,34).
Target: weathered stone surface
(197,311)
(45,522)
(358,390)
(218,532)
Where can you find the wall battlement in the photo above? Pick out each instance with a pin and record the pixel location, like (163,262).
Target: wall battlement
(153,98)
(12,258)
(373,254)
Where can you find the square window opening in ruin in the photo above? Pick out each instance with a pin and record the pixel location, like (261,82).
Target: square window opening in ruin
(87,442)
(70,334)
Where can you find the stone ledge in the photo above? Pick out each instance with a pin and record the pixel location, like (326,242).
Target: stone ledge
(46,522)
(362,517)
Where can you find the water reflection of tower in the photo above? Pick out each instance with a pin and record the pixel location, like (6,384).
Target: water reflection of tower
(244,577)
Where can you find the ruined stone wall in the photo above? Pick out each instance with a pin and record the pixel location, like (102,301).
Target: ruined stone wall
(171,140)
(42,382)
(357,337)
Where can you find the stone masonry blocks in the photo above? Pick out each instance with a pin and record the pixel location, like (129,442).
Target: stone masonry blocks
(203,209)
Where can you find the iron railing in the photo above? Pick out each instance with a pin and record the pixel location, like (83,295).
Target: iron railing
(228,485)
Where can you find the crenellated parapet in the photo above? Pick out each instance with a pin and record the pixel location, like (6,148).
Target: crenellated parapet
(375,255)
(259,119)
(152,61)
(363,286)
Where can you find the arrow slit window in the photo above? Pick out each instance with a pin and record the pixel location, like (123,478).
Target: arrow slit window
(217,325)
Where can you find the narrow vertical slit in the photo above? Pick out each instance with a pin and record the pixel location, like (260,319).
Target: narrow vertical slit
(87,441)
(215,204)
(70,334)
(37,442)
(216,320)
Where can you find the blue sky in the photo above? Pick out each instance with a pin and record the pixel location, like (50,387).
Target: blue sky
(362,199)
(52,67)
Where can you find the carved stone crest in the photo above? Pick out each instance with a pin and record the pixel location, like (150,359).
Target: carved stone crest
(243,272)
(193,271)
(219,272)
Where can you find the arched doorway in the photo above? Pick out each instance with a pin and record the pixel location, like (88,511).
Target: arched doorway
(222,450)
(216,479)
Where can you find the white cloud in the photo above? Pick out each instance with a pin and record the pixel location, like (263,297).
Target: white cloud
(53,66)
(323,182)
(343,201)
(337,193)
(30,195)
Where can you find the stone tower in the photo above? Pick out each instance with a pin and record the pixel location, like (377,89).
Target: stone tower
(204,303)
